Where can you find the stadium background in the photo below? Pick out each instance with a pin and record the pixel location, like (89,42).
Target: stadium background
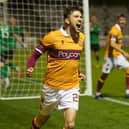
(105,10)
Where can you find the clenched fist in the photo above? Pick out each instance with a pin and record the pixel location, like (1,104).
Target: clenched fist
(29,71)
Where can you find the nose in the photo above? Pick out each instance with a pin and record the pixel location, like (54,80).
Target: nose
(80,18)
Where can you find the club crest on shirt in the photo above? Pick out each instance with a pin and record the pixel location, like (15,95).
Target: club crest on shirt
(62,41)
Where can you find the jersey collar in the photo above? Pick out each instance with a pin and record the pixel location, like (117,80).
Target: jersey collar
(118,26)
(63,31)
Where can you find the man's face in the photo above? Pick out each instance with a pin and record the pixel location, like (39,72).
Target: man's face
(94,20)
(122,21)
(12,21)
(75,21)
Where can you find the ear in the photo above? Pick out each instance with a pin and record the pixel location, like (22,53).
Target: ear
(67,21)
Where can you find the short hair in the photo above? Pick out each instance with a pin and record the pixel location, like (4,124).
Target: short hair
(68,11)
(121,15)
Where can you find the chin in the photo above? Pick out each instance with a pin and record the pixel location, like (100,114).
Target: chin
(77,31)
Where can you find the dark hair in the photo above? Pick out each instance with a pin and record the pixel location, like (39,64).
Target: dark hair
(11,16)
(68,11)
(121,15)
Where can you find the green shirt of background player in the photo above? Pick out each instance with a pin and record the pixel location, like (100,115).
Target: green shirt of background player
(95,29)
(4,48)
(12,39)
(4,37)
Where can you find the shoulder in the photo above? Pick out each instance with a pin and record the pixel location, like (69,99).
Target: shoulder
(49,38)
(19,27)
(82,36)
(52,33)
(114,30)
(4,25)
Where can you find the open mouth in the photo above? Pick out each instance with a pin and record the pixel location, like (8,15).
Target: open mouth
(78,25)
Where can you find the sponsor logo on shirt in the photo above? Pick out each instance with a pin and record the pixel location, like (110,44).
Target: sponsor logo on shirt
(65,54)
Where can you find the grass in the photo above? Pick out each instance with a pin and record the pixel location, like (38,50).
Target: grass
(93,114)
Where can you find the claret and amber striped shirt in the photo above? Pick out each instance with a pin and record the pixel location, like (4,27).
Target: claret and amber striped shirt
(63,59)
(115,34)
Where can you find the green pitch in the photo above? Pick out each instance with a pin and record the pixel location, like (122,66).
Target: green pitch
(93,114)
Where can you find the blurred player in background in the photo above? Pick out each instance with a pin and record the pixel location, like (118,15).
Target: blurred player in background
(9,36)
(95,29)
(115,56)
(4,52)
(16,37)
(61,87)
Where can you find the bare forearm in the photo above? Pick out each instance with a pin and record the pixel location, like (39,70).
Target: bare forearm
(114,45)
(124,53)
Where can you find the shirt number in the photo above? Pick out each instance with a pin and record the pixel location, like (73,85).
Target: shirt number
(75,97)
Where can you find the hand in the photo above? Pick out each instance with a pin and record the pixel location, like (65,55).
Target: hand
(1,64)
(24,46)
(126,54)
(29,71)
(82,77)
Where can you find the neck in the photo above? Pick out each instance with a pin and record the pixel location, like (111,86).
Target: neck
(71,32)
(13,25)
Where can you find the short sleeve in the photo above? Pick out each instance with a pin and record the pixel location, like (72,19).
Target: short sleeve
(113,32)
(47,40)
